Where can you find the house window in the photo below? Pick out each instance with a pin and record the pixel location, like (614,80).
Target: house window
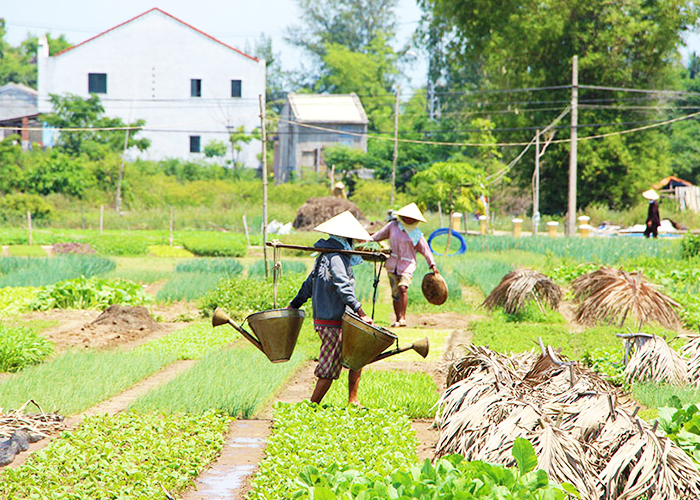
(195,144)
(97,83)
(235,88)
(196,87)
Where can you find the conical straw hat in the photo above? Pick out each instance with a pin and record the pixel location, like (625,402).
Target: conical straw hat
(411,210)
(650,194)
(345,225)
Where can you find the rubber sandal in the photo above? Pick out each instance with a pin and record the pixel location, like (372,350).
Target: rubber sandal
(396,324)
(402,322)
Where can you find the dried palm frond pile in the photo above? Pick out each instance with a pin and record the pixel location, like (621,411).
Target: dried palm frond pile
(610,295)
(39,425)
(585,432)
(520,286)
(691,352)
(654,360)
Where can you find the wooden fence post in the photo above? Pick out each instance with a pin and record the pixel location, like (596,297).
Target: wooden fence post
(29,227)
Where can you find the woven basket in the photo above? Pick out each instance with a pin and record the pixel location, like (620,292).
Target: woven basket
(434,288)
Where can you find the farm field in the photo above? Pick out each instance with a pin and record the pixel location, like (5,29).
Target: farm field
(157,403)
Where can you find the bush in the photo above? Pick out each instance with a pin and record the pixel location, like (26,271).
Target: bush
(690,245)
(20,347)
(89,293)
(15,206)
(240,297)
(214,244)
(130,243)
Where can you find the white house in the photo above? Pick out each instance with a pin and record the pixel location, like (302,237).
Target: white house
(189,87)
(309,123)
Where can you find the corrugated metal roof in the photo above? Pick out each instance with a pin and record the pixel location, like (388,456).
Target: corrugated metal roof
(17,101)
(327,108)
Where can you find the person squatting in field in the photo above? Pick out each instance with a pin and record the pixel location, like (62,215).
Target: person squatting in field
(331,288)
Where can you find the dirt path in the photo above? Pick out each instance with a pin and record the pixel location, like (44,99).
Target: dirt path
(113,405)
(229,476)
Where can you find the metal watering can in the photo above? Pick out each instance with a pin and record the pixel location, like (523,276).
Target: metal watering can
(275,331)
(364,343)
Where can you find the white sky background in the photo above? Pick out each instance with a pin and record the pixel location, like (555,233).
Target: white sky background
(238,23)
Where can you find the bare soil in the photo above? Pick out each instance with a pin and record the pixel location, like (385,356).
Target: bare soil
(118,328)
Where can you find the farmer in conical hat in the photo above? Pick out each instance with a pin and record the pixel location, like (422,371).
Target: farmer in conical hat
(653,218)
(331,288)
(405,240)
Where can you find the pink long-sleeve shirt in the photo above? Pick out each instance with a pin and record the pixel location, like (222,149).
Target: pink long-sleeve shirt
(403,254)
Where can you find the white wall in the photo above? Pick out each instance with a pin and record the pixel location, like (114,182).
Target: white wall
(149,63)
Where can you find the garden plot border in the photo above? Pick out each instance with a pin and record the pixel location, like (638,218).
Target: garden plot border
(111,406)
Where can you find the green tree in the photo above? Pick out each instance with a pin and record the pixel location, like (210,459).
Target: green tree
(10,164)
(74,112)
(215,149)
(18,64)
(370,74)
(456,185)
(238,137)
(494,45)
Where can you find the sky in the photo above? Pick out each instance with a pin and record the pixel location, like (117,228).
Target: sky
(237,23)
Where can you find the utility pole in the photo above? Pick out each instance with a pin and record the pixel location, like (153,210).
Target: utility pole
(264,179)
(396,144)
(536,197)
(571,214)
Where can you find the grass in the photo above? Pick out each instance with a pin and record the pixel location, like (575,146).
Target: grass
(26,251)
(257,268)
(235,382)
(168,251)
(188,286)
(143,269)
(77,380)
(413,394)
(499,332)
(20,271)
(657,395)
(192,342)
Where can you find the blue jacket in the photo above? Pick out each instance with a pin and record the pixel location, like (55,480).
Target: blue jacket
(330,286)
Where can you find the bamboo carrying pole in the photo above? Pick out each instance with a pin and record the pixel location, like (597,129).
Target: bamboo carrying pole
(361,253)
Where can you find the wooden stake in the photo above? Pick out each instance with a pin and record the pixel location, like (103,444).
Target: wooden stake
(245,227)
(264,180)
(29,227)
(170,238)
(440,214)
(396,144)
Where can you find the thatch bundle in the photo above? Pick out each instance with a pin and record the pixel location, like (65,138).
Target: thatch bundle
(691,351)
(654,360)
(518,287)
(583,431)
(611,295)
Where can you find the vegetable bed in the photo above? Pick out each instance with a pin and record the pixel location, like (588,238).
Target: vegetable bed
(126,456)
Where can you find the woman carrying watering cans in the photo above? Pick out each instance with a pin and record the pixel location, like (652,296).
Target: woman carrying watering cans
(331,288)
(405,240)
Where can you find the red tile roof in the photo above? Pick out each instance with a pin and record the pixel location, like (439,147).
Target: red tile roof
(164,13)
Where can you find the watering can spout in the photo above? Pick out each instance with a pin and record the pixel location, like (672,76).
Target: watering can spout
(221,318)
(422,347)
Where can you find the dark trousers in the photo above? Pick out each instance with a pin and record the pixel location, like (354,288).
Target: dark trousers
(651,230)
